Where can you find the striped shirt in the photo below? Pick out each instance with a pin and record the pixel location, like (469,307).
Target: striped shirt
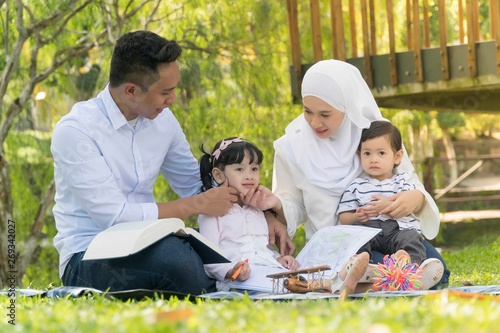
(362,189)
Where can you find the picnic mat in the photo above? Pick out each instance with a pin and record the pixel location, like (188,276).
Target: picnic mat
(76,292)
(138,294)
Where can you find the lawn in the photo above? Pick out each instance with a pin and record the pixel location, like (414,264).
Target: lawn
(477,263)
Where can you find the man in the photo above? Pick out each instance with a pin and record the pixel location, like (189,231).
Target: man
(108,152)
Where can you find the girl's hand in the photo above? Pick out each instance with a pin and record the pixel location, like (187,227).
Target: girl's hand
(261,198)
(289,262)
(243,274)
(404,203)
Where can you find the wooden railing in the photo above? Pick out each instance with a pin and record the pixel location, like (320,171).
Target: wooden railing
(346,30)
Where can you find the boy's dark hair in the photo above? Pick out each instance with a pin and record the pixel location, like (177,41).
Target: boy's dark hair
(136,58)
(380,128)
(232,154)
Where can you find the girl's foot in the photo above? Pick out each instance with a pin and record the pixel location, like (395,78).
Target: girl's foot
(344,282)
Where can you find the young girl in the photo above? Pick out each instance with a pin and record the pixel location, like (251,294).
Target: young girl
(243,232)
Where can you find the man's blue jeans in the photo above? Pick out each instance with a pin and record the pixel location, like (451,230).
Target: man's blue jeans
(168,265)
(431,252)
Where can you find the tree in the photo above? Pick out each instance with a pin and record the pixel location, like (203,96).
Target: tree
(46,43)
(450,123)
(40,38)
(28,30)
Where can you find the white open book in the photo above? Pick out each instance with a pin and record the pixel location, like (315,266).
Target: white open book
(127,238)
(332,246)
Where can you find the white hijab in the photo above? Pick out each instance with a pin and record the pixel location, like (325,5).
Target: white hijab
(332,163)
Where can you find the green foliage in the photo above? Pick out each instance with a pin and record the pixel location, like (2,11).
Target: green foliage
(453,122)
(235,82)
(483,125)
(31,170)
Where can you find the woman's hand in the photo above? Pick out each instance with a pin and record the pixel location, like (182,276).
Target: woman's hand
(404,203)
(278,235)
(261,198)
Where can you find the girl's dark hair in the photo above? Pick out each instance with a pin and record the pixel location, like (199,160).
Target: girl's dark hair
(380,128)
(231,154)
(136,58)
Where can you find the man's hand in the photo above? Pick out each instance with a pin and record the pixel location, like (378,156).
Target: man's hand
(279,236)
(217,201)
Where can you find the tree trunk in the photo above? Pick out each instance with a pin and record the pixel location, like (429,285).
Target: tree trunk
(6,217)
(36,229)
(450,155)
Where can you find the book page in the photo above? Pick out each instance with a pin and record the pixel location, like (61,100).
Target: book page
(209,252)
(127,238)
(258,280)
(334,245)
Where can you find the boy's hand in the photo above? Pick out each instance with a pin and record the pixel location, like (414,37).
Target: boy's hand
(361,215)
(375,208)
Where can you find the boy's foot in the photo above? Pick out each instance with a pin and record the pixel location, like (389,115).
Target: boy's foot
(432,271)
(345,281)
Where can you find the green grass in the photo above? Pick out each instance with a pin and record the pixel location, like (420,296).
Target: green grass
(477,263)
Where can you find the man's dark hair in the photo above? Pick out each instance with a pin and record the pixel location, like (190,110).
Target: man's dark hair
(380,128)
(136,58)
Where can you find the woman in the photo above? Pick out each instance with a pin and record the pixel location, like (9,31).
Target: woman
(316,158)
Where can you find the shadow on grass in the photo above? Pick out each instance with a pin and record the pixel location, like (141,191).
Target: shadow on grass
(453,236)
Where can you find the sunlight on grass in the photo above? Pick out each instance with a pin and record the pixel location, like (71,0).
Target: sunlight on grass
(477,263)
(424,314)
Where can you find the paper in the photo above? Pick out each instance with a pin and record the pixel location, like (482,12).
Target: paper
(331,246)
(258,280)
(334,245)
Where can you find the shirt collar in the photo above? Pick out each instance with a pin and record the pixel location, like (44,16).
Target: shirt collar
(114,114)
(116,117)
